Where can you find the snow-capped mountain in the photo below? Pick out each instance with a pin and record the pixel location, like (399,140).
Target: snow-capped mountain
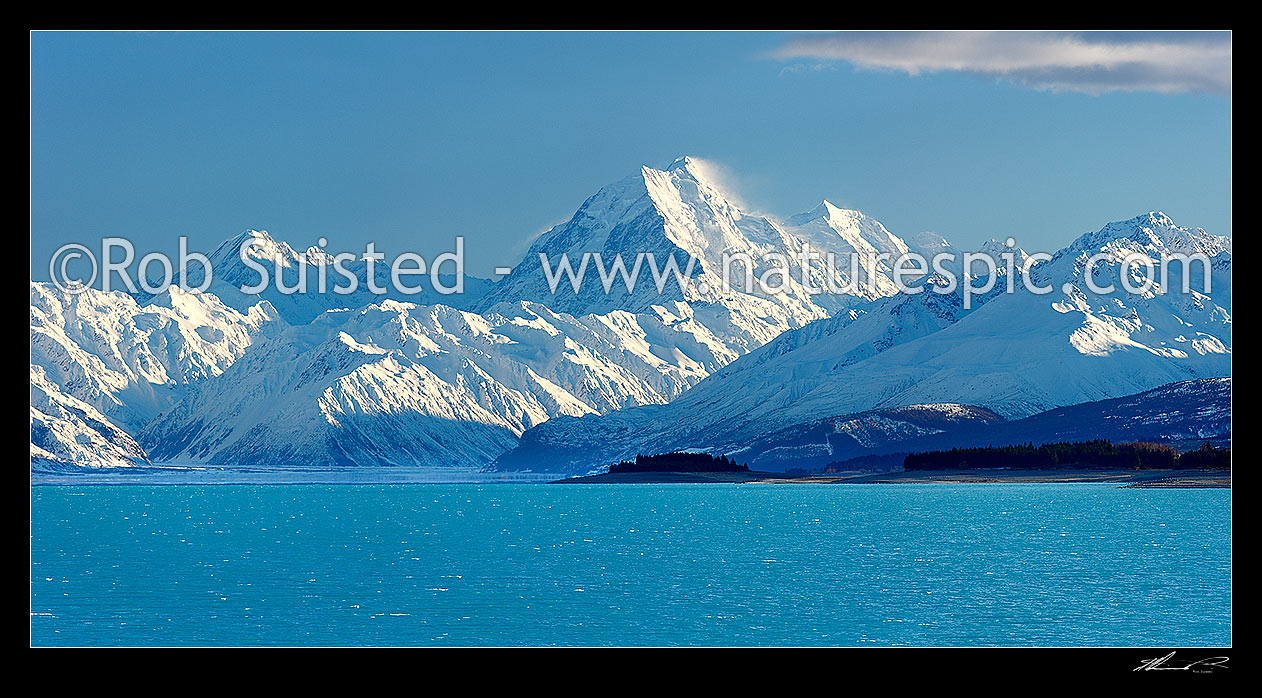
(65,430)
(789,363)
(301,273)
(679,213)
(129,361)
(103,365)
(1016,354)
(397,383)
(442,386)
(578,379)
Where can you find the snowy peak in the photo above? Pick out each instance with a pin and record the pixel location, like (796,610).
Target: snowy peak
(683,208)
(681,203)
(132,361)
(692,169)
(102,365)
(264,247)
(676,214)
(688,164)
(226,259)
(1151,234)
(996,250)
(699,216)
(824,210)
(301,273)
(929,244)
(681,212)
(844,230)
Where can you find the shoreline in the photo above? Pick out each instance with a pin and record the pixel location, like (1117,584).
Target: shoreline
(1126,478)
(175,475)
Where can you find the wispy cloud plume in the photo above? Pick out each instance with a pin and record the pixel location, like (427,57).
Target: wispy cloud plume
(722,178)
(1090,62)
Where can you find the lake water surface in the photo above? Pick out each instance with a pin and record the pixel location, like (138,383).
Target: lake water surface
(516,564)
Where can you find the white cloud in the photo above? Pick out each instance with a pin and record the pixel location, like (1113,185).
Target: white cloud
(1090,62)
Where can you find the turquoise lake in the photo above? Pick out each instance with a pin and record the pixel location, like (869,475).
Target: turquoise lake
(531,564)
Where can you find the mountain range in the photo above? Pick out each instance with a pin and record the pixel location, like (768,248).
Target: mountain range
(515,376)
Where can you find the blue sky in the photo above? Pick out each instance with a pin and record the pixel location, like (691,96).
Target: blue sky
(411,139)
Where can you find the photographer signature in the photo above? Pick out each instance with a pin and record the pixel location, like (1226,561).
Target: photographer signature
(1207,664)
